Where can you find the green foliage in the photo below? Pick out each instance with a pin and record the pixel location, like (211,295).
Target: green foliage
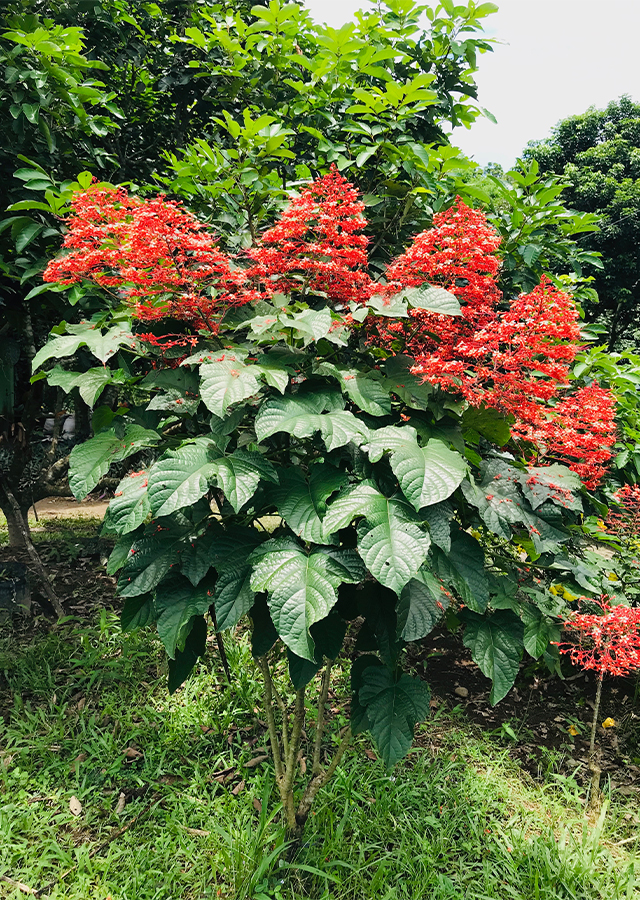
(597,153)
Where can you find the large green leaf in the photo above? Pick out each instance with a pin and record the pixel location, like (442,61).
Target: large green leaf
(389,437)
(90,383)
(301,587)
(137,612)
(393,709)
(152,555)
(392,548)
(431,299)
(91,460)
(556,483)
(328,636)
(83,335)
(539,630)
(411,389)
(233,594)
(176,602)
(496,645)
(480,420)
(299,417)
(182,476)
(428,474)
(240,473)
(363,499)
(302,501)
(311,324)
(130,505)
(422,604)
(463,568)
(227,380)
(366,389)
(195,646)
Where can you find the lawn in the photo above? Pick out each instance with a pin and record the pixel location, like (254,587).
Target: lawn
(109,787)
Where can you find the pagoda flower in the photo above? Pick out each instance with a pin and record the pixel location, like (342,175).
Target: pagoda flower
(608,643)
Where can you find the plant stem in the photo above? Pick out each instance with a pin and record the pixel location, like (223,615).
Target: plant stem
(271,721)
(322,702)
(594,768)
(220,642)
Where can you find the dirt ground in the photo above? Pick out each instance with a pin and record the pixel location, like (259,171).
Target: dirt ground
(56,507)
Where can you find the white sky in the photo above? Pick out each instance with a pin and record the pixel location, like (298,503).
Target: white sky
(557,58)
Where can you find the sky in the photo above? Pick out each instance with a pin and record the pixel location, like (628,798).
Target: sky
(555,58)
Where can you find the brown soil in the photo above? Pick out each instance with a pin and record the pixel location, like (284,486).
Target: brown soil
(57,507)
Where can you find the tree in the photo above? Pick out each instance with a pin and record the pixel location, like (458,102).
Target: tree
(307,472)
(598,154)
(296,97)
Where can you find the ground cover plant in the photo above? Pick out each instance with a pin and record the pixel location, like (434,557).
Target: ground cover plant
(172,803)
(331,448)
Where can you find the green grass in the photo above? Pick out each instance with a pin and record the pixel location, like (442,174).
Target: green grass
(56,529)
(457,819)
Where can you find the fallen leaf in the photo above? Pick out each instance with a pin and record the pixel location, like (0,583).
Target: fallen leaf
(79,759)
(120,805)
(239,787)
(609,723)
(257,805)
(132,753)
(255,762)
(75,806)
(370,754)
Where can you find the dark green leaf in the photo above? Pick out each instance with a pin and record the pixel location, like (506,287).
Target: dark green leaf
(496,645)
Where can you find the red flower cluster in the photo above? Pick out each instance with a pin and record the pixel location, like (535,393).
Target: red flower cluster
(163,258)
(517,360)
(625,524)
(317,247)
(608,643)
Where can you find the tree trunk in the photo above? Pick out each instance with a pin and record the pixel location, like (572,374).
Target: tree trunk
(16,534)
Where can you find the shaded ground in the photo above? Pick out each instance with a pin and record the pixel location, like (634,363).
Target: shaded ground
(544,720)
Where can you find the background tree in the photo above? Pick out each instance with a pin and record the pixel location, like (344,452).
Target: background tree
(598,154)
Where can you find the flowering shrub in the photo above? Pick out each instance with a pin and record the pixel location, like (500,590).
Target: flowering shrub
(405,440)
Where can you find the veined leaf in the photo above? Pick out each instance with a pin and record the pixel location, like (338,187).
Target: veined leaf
(240,474)
(130,505)
(422,604)
(463,568)
(151,557)
(90,384)
(431,299)
(91,460)
(227,380)
(301,587)
(366,389)
(83,335)
(496,646)
(195,646)
(182,476)
(428,474)
(328,636)
(393,550)
(393,709)
(302,502)
(299,417)
(177,601)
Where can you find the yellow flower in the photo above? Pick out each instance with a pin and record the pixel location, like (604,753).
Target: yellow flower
(567,596)
(555,589)
(609,723)
(612,576)
(573,730)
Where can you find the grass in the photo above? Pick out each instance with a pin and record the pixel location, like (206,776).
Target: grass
(56,529)
(88,716)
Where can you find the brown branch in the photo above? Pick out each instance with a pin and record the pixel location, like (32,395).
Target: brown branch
(271,722)
(19,885)
(322,702)
(33,553)
(220,643)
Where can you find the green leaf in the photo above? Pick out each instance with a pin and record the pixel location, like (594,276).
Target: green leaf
(195,646)
(463,568)
(556,483)
(539,630)
(240,474)
(182,476)
(103,346)
(263,633)
(431,299)
(90,383)
(28,234)
(130,505)
(393,549)
(120,552)
(301,587)
(152,555)
(328,636)
(233,596)
(137,612)
(393,709)
(496,646)
(302,502)
(227,380)
(428,474)
(411,389)
(422,604)
(91,460)
(300,417)
(480,420)
(311,324)
(395,307)
(366,389)
(176,602)
(438,517)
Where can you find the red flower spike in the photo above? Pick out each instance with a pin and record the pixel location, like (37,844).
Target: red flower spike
(608,643)
(317,247)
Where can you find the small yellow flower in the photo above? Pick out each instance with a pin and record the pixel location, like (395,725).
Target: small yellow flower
(555,589)
(609,723)
(573,730)
(568,596)
(475,533)
(600,523)
(612,576)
